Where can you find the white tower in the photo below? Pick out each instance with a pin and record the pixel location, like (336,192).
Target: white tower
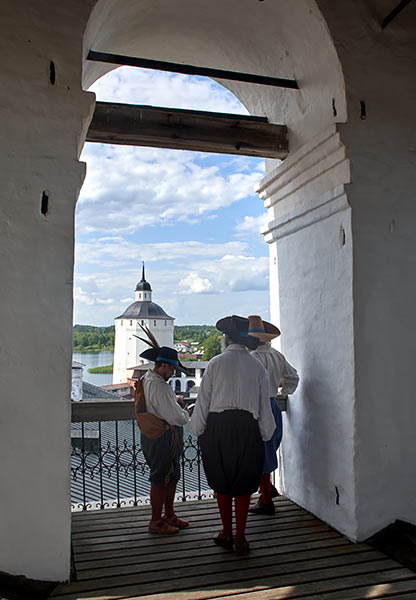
(143,311)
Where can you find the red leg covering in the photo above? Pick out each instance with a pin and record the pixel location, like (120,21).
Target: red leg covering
(157,498)
(170,492)
(266,488)
(225,506)
(241,512)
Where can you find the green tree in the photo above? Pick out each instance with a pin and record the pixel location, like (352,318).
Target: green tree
(212,346)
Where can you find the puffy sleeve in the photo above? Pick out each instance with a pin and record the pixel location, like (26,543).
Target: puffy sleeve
(201,410)
(290,378)
(266,421)
(164,405)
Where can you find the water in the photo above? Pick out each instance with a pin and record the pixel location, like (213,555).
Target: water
(95,359)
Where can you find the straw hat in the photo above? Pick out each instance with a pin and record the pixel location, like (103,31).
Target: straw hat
(262,330)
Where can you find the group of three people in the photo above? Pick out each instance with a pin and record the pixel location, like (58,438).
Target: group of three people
(237,421)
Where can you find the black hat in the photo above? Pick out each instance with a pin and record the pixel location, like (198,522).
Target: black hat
(166,355)
(237,330)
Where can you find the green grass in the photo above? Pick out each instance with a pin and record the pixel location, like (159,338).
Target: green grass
(104,369)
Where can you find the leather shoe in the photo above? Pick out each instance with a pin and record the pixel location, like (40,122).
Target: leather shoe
(242,547)
(225,541)
(176,522)
(161,526)
(262,509)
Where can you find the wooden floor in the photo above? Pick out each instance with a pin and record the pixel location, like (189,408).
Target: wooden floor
(293,556)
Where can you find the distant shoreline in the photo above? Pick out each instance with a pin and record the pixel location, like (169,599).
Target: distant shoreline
(103,369)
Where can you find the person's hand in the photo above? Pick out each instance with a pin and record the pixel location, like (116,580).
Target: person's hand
(180,401)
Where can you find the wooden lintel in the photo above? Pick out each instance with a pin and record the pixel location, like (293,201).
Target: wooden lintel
(137,125)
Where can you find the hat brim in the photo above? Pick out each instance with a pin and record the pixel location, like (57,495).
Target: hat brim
(270,332)
(153,355)
(236,328)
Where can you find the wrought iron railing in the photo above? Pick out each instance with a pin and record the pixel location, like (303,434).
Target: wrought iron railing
(108,468)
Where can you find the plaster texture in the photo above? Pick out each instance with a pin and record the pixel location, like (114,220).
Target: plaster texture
(41,130)
(380,71)
(341,234)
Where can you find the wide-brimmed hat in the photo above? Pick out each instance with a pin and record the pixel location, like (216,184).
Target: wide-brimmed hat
(236,328)
(166,355)
(261,330)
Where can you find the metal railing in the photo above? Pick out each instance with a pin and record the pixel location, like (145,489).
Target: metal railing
(108,468)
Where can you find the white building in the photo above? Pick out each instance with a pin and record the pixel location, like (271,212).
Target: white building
(128,347)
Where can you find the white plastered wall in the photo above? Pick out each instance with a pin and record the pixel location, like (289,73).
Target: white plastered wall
(41,128)
(380,71)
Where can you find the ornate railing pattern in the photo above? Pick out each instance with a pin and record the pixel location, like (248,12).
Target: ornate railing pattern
(108,468)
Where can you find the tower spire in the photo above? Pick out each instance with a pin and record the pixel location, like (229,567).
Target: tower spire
(143,288)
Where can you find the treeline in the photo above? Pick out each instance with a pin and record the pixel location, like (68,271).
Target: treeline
(88,338)
(193,333)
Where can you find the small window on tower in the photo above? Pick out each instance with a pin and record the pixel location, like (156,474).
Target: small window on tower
(122,323)
(154,323)
(166,323)
(131,323)
(142,322)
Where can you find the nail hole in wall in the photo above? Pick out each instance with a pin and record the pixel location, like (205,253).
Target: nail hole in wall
(52,73)
(342,236)
(336,495)
(363,110)
(44,204)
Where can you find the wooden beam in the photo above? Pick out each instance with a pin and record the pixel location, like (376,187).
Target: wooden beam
(137,125)
(162,65)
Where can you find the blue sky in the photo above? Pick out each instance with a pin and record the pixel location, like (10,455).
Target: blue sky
(192,217)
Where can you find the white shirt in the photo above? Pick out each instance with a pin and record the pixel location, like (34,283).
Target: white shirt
(277,369)
(234,380)
(161,400)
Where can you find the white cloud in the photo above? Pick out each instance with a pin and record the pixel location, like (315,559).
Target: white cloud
(110,253)
(129,188)
(158,88)
(251,225)
(193,284)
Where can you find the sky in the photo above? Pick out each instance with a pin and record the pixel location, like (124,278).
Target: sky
(192,217)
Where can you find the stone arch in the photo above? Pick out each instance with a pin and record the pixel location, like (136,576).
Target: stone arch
(271,38)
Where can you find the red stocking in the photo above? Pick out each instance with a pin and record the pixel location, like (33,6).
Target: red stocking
(157,498)
(266,488)
(170,492)
(241,512)
(225,506)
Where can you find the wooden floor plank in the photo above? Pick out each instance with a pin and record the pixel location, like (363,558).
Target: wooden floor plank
(237,579)
(194,548)
(128,527)
(210,553)
(294,555)
(243,569)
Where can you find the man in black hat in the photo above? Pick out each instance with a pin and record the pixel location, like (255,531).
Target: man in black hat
(232,418)
(163,453)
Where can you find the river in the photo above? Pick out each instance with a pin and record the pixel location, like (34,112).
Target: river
(95,359)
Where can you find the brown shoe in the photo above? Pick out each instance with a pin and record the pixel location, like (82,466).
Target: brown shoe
(162,527)
(225,541)
(242,547)
(176,522)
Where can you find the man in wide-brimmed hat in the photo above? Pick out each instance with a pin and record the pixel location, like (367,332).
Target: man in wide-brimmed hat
(280,374)
(233,418)
(163,453)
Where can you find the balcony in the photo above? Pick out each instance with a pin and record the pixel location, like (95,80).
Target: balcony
(294,555)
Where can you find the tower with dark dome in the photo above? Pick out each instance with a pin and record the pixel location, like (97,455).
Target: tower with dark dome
(143,311)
